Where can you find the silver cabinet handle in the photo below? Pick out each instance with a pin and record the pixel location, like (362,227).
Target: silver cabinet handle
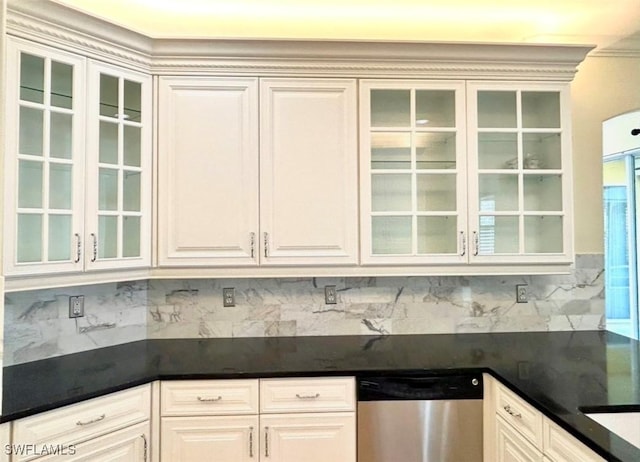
(251,442)
(511,412)
(209,400)
(252,244)
(94,257)
(317,395)
(463,244)
(89,422)
(78,248)
(146,446)
(266,441)
(266,244)
(476,246)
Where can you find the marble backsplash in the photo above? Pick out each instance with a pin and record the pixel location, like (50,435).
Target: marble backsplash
(37,324)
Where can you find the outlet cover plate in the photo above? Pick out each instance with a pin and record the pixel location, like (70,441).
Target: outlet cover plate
(76,306)
(330,296)
(229,296)
(522,294)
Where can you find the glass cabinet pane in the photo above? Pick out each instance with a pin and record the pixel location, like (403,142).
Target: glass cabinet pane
(61,136)
(436,192)
(498,235)
(435,150)
(61,85)
(31,78)
(132,101)
(131,237)
(542,192)
(390,108)
(107,237)
(31,131)
(30,181)
(499,192)
(132,147)
(108,189)
(109,96)
(435,108)
(543,234)
(391,235)
(497,109)
(108,143)
(437,235)
(60,185)
(29,238)
(60,237)
(498,150)
(391,193)
(131,191)
(390,151)
(540,109)
(542,151)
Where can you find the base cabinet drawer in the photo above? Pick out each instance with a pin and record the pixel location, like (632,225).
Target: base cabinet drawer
(560,446)
(84,421)
(307,395)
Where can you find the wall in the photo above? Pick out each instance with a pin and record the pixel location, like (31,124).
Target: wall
(604,87)
(286,307)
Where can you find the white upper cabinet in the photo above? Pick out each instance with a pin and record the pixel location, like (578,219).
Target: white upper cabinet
(413,172)
(208,171)
(217,168)
(118,168)
(474,173)
(308,171)
(44,161)
(520,163)
(77,188)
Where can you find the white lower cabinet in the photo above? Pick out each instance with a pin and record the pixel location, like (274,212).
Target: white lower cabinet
(298,419)
(514,431)
(230,438)
(308,437)
(115,427)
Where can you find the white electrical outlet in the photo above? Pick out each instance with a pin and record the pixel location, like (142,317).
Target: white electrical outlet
(76,306)
(330,296)
(229,296)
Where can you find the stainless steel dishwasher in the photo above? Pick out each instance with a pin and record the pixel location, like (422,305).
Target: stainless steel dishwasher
(420,418)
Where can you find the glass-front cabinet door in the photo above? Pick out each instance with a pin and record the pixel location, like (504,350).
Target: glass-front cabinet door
(519,193)
(119,174)
(44,160)
(413,184)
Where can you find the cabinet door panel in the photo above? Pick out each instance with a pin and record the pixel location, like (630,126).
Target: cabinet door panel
(208,171)
(44,159)
(119,170)
(520,208)
(512,447)
(309,437)
(413,172)
(196,439)
(308,162)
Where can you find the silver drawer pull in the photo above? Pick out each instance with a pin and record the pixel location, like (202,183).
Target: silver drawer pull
(209,400)
(512,412)
(89,422)
(317,395)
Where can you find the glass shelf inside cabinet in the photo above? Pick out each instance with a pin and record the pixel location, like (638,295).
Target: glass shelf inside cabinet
(413,161)
(520,192)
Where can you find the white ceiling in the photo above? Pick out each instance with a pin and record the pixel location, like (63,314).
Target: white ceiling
(600,22)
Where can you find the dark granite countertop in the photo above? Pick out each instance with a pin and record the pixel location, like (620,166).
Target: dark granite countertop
(560,373)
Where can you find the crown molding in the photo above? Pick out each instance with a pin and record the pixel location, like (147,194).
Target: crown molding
(52,23)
